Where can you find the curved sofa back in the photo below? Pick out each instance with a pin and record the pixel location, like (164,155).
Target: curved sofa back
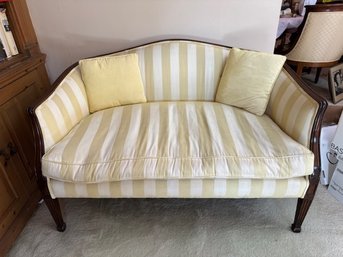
(171,71)
(177,71)
(180,70)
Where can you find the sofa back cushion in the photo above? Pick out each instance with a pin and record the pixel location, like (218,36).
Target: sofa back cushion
(248,78)
(64,108)
(180,70)
(112,81)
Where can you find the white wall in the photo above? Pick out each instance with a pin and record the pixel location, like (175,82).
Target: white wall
(69,30)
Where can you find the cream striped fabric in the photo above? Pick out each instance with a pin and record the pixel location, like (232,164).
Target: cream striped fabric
(177,149)
(175,140)
(63,109)
(321,39)
(180,70)
(177,70)
(186,188)
(171,70)
(292,109)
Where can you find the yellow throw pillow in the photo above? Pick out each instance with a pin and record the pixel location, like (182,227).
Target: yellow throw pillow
(248,79)
(112,81)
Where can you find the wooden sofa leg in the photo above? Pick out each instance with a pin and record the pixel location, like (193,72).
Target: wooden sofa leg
(304,204)
(53,205)
(55,211)
(302,208)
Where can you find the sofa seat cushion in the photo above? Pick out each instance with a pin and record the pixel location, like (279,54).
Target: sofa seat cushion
(175,140)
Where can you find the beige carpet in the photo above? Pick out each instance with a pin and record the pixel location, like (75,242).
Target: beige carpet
(177,227)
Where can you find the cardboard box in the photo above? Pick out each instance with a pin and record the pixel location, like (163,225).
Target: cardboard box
(328,158)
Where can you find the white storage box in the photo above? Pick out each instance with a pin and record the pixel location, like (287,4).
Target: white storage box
(327,155)
(336,183)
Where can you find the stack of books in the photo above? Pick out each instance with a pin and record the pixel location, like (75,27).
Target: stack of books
(8,47)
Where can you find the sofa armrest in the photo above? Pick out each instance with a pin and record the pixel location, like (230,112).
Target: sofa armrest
(296,108)
(299,112)
(60,110)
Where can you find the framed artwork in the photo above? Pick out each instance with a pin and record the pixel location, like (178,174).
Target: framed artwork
(336,83)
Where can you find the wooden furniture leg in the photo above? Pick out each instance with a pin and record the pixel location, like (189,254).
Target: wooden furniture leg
(304,204)
(55,210)
(53,206)
(299,69)
(319,69)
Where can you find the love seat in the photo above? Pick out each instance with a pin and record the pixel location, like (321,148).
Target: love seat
(180,142)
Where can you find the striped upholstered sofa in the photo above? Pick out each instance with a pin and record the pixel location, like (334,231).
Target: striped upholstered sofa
(180,143)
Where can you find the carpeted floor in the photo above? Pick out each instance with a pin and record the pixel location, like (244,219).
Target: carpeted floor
(177,227)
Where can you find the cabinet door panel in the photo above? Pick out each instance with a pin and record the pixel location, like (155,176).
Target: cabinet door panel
(15,117)
(7,191)
(22,78)
(13,194)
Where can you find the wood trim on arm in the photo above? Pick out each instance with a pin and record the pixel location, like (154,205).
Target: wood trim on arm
(38,141)
(52,204)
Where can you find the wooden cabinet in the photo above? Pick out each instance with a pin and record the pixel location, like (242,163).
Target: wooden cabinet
(12,186)
(23,79)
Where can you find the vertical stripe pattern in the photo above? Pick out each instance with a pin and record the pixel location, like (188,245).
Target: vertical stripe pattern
(194,188)
(63,109)
(176,140)
(170,71)
(177,149)
(292,109)
(181,70)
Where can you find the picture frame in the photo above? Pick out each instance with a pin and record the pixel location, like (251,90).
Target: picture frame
(336,83)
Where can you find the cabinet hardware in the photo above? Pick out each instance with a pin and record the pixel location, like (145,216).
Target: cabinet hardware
(12,149)
(8,152)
